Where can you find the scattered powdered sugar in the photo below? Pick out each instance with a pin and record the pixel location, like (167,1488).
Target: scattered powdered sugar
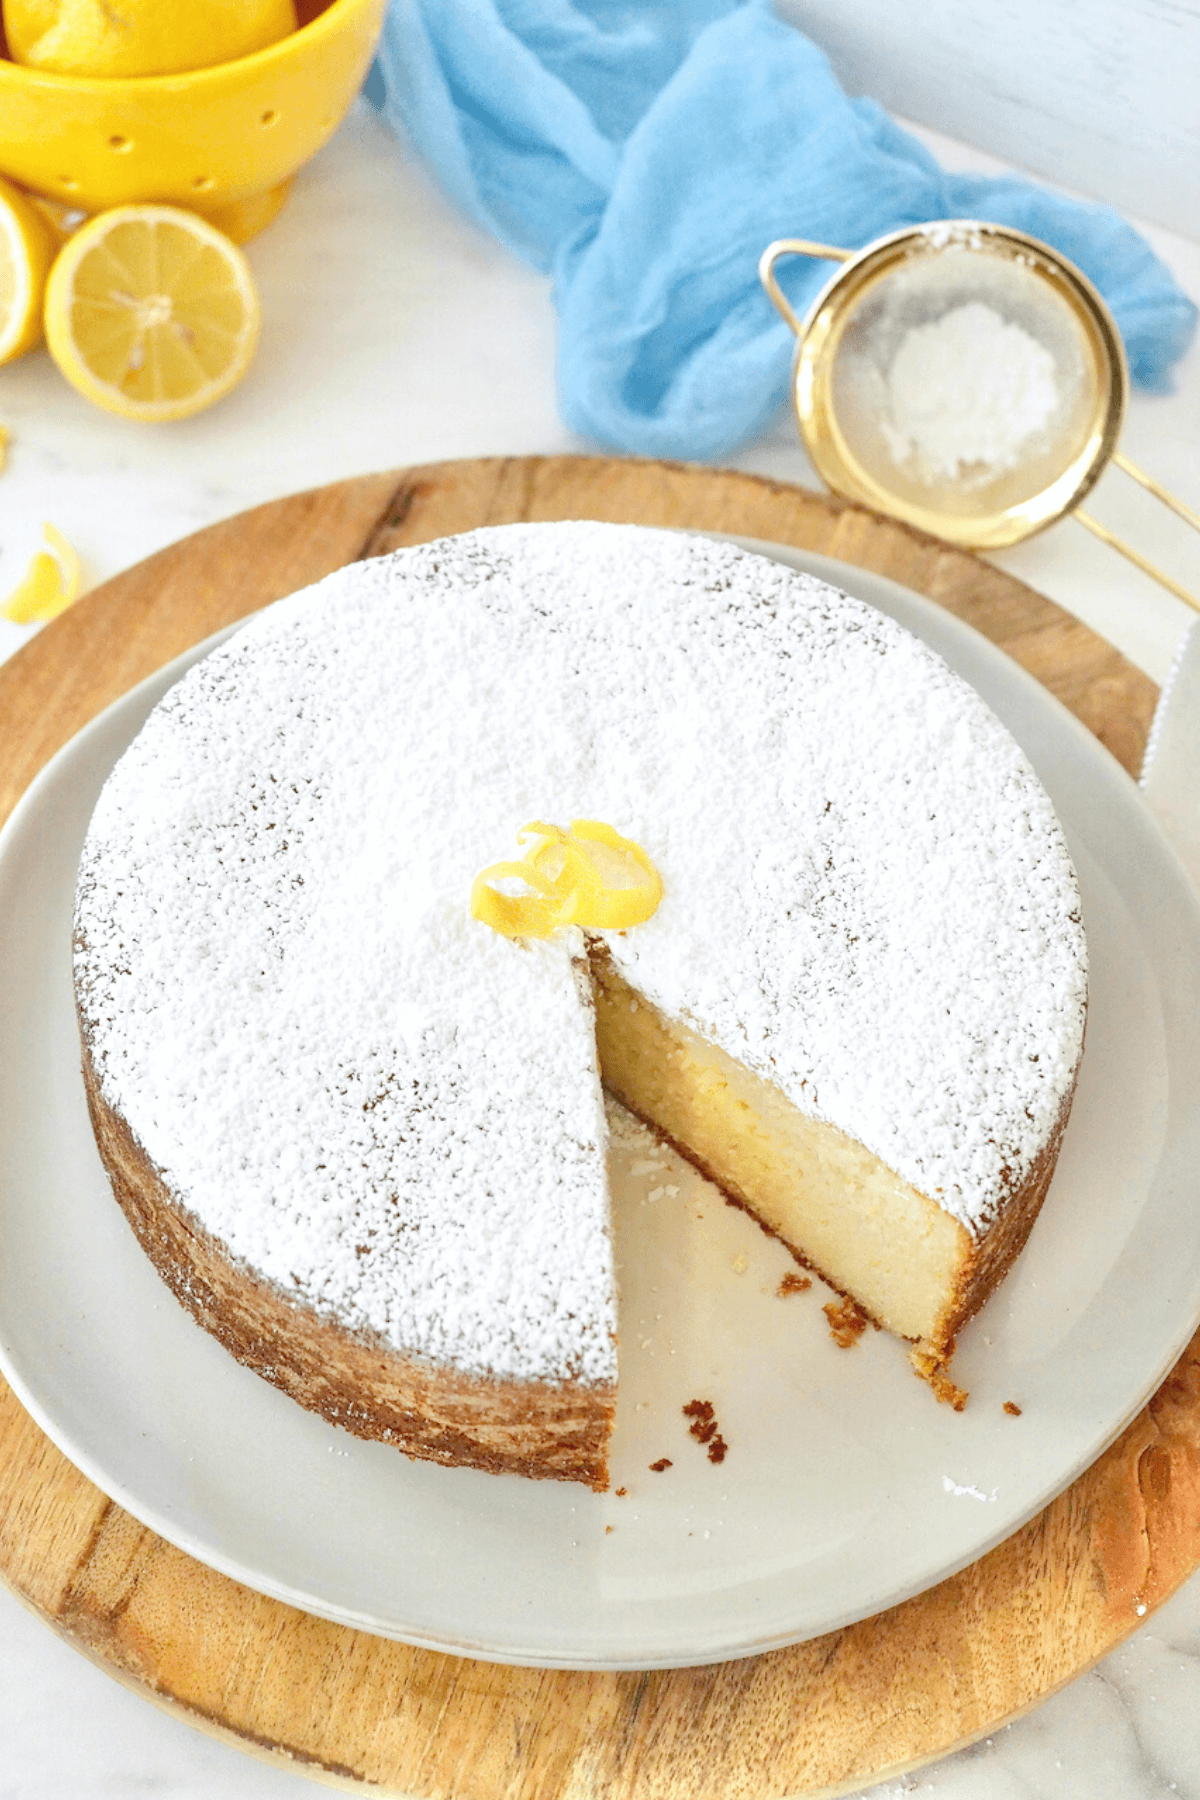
(395,1114)
(968,388)
(968,1492)
(942,234)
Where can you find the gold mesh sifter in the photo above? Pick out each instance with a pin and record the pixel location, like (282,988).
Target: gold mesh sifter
(847,344)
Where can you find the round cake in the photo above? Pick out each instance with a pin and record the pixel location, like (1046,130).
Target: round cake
(362,1135)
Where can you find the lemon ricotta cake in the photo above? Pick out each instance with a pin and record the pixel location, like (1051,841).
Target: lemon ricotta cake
(362,1135)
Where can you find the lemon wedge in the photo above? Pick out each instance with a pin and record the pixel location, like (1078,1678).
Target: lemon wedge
(51,583)
(27,247)
(151,312)
(589,876)
(141,37)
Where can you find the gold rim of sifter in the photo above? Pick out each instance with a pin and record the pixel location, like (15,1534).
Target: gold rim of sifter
(823,335)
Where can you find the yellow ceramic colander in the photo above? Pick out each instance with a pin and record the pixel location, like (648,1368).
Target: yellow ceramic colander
(222,141)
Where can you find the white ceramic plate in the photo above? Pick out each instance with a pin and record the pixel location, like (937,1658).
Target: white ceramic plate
(846,1488)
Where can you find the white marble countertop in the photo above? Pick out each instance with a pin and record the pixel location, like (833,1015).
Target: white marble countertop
(396,333)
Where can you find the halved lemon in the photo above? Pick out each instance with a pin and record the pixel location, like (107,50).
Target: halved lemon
(27,246)
(151,312)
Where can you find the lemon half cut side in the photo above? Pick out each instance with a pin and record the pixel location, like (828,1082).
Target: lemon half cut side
(27,246)
(151,312)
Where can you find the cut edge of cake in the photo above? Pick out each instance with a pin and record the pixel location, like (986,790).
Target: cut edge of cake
(913,1268)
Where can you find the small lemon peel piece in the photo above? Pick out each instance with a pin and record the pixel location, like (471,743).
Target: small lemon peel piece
(535,914)
(566,883)
(51,583)
(634,903)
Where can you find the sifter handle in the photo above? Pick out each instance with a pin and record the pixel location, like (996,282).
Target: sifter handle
(1160,493)
(792,247)
(1134,556)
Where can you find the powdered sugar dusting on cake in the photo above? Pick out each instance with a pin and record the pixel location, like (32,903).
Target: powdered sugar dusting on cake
(394,1113)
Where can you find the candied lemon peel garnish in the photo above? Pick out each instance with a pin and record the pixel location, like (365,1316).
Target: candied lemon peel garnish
(589,876)
(51,583)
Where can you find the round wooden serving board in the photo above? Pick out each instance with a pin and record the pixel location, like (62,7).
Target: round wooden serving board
(829,1715)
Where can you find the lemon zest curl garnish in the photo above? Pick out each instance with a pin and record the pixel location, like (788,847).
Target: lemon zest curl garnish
(566,874)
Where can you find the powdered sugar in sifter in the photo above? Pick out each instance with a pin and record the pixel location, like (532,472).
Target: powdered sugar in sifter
(965,378)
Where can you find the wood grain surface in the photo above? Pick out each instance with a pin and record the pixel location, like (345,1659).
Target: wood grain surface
(357,1711)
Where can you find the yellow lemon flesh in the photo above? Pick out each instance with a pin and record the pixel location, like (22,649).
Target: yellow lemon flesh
(151,312)
(52,582)
(141,37)
(27,247)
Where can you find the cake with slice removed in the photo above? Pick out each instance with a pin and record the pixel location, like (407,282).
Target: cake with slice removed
(362,1135)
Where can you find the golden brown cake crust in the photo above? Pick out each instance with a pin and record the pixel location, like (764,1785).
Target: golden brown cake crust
(993,1256)
(443,1415)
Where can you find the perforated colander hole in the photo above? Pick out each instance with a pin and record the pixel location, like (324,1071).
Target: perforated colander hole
(269,117)
(117,142)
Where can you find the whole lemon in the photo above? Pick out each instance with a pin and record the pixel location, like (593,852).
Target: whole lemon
(141,37)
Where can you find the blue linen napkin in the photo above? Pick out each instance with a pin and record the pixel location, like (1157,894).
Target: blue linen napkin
(646,154)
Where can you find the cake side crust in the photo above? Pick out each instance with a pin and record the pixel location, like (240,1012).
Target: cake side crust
(556,1431)
(996,1251)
